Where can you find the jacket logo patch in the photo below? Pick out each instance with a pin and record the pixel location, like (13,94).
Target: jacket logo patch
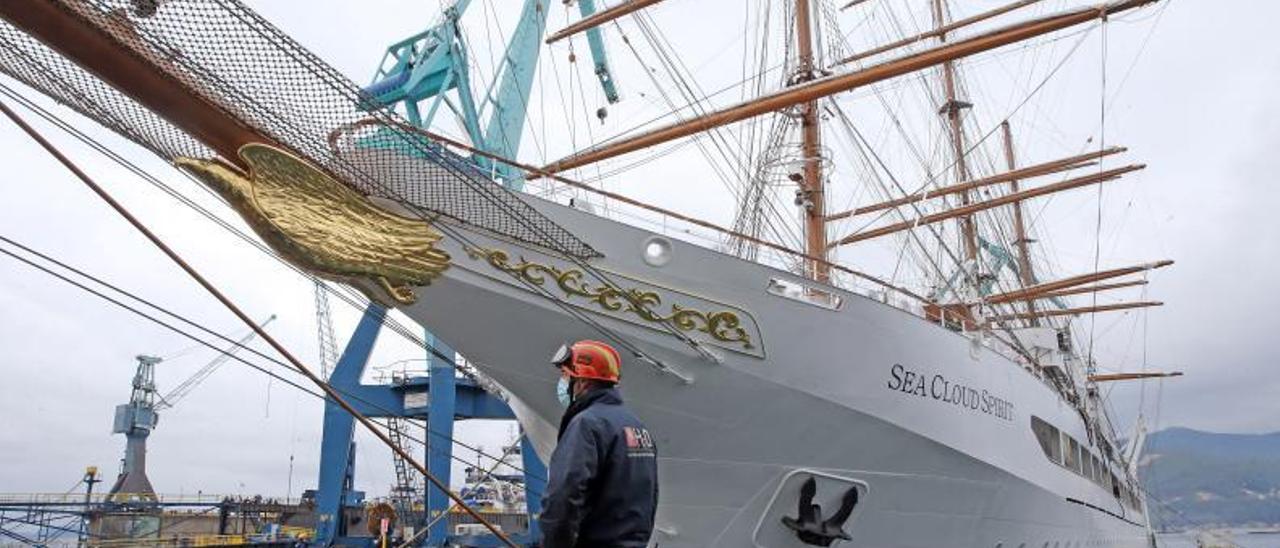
(639,442)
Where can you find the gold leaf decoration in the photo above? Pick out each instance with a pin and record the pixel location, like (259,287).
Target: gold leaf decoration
(324,226)
(724,326)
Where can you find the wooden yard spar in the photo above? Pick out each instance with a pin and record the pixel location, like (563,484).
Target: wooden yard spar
(1101,177)
(1038,170)
(600,18)
(831,85)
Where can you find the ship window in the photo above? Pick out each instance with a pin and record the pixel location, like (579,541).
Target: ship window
(1086,463)
(805,293)
(1047,435)
(1071,451)
(1097,471)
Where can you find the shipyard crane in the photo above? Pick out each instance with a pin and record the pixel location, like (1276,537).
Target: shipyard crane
(135,420)
(139,417)
(327,343)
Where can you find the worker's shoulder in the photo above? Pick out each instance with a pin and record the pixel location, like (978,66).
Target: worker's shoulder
(606,418)
(612,413)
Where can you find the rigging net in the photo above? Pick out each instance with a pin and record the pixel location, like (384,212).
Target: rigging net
(277,89)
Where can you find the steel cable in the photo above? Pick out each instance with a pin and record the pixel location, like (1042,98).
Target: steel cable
(199,342)
(235,310)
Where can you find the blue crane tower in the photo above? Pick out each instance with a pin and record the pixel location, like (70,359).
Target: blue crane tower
(417,75)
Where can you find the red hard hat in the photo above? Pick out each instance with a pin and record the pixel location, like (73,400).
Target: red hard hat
(590,360)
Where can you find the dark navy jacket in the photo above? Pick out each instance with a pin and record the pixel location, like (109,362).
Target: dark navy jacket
(603,485)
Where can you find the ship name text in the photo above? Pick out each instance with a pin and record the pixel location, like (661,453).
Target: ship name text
(939,387)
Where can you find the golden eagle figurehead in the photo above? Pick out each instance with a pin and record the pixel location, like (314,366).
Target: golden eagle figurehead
(324,226)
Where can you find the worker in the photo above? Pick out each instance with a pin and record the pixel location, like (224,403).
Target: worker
(602,490)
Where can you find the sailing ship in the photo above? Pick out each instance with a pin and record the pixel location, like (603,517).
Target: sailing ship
(792,406)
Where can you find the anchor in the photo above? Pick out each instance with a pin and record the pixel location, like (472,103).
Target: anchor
(809,525)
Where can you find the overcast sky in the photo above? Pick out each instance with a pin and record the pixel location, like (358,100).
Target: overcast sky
(1190,93)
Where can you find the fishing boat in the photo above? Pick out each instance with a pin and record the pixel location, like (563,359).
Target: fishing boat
(795,399)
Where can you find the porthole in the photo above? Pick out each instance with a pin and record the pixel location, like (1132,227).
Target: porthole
(657,251)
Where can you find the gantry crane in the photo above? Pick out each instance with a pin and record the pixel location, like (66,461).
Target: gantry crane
(403,492)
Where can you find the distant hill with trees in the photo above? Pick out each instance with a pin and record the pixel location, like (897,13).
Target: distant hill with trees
(1204,478)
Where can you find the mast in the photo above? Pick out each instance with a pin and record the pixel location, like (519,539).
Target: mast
(811,195)
(952,110)
(1025,273)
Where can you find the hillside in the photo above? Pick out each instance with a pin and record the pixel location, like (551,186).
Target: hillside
(1209,478)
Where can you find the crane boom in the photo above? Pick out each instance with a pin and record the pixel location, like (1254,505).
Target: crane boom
(324,331)
(185,387)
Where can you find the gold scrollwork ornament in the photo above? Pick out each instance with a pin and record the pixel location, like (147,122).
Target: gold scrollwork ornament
(724,326)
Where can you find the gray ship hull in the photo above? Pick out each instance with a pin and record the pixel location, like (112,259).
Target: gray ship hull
(930,426)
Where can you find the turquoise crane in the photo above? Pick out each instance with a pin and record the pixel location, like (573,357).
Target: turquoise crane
(426,67)
(1001,258)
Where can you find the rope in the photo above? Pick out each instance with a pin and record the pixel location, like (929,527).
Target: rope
(1102,144)
(637,203)
(696,101)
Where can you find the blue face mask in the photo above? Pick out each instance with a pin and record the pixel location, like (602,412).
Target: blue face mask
(562,392)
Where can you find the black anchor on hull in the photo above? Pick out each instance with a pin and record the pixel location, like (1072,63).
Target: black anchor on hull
(810,527)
